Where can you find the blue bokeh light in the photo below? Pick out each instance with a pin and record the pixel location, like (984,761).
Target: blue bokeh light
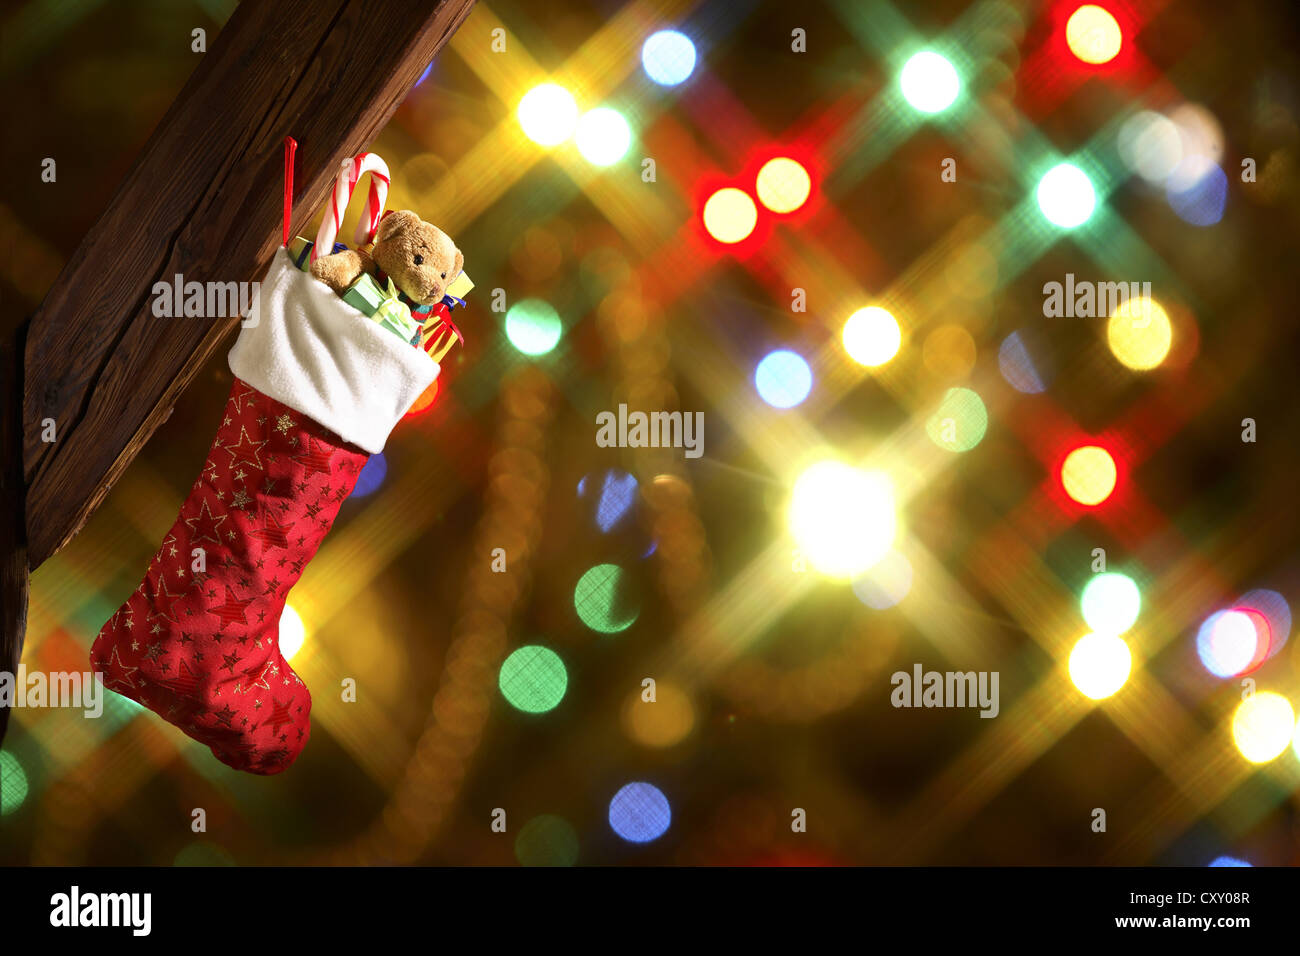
(639,813)
(372,476)
(783,379)
(668,57)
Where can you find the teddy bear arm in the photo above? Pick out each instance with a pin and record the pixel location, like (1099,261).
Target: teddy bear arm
(340,270)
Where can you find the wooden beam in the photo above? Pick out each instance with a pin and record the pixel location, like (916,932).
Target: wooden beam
(203,200)
(13,543)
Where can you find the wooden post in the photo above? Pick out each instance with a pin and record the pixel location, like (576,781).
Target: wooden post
(202,200)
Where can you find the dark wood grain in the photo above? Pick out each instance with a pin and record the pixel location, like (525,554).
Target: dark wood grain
(204,200)
(14,572)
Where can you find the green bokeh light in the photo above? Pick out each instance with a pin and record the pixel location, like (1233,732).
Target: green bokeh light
(547,840)
(533,327)
(603,600)
(13,783)
(533,679)
(960,421)
(203,854)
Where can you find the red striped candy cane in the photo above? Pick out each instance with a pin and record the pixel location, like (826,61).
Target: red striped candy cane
(350,171)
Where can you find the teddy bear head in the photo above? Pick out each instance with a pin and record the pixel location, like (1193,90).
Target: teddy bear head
(419,257)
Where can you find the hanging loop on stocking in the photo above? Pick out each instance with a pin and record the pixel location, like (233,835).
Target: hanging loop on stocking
(290,147)
(350,171)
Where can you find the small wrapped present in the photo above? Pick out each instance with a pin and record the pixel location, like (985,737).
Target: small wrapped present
(384,305)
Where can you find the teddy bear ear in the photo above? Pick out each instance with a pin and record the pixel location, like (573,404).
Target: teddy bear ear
(395,221)
(460,264)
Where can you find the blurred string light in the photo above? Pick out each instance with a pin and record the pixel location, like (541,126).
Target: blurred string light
(1093,35)
(533,327)
(1088,475)
(13,783)
(1099,665)
(293,632)
(1227,861)
(929,82)
(1139,333)
(603,136)
(604,601)
(373,473)
(1263,726)
(639,813)
(663,722)
(1021,366)
(1228,643)
(423,403)
(783,378)
(547,840)
(871,336)
(960,421)
(668,57)
(1275,613)
(1110,603)
(548,114)
(730,215)
(885,583)
(842,517)
(783,185)
(616,495)
(1066,196)
(533,679)
(1201,203)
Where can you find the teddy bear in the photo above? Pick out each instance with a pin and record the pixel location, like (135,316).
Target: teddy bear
(419,257)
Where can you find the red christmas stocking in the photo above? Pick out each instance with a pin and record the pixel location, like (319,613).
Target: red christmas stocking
(318,388)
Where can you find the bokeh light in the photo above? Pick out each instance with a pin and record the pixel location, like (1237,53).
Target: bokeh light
(663,722)
(373,473)
(293,632)
(1088,475)
(1110,603)
(885,583)
(603,136)
(425,401)
(533,327)
(13,783)
(929,82)
(604,600)
(1093,34)
(1227,643)
(1021,362)
(842,517)
(1139,333)
(1100,665)
(533,679)
(615,495)
(546,840)
(668,57)
(1065,196)
(548,113)
(1263,726)
(949,352)
(960,421)
(639,813)
(1150,145)
(783,378)
(730,215)
(1201,203)
(783,185)
(1276,614)
(1227,861)
(871,336)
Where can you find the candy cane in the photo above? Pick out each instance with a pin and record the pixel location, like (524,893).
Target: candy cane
(350,171)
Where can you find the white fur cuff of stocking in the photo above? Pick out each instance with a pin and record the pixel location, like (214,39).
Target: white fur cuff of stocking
(304,346)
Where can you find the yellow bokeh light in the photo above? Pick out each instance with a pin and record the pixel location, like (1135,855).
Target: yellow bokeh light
(783,185)
(842,517)
(548,114)
(1093,34)
(730,215)
(662,722)
(292,632)
(1088,475)
(949,352)
(1262,726)
(872,336)
(1140,333)
(1100,665)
